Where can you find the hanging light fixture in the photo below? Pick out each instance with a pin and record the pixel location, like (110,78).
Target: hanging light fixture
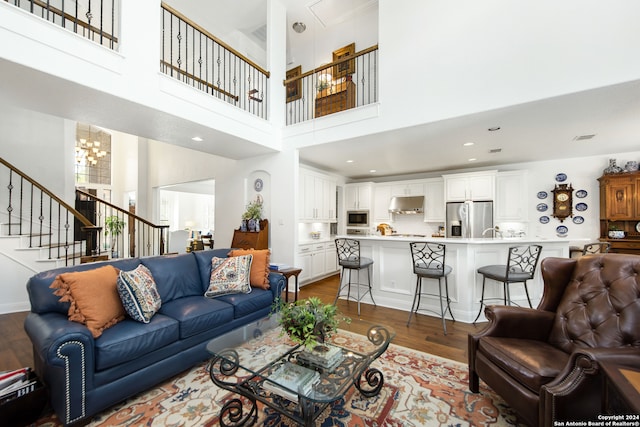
(299,27)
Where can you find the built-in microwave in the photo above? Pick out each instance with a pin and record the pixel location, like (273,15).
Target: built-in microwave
(357,218)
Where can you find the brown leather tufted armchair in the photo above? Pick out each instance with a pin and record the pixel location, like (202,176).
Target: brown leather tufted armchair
(545,362)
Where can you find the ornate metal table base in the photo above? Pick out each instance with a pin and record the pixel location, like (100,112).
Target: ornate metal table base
(353,370)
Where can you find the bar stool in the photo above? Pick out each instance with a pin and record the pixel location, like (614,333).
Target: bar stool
(429,263)
(520,267)
(596,248)
(349,259)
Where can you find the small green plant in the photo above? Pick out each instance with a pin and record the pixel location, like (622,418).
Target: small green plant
(254,211)
(113,226)
(308,321)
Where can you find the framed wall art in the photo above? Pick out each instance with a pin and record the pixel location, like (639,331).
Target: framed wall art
(294,88)
(344,68)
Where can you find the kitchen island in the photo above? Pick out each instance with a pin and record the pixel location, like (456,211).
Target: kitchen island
(393,281)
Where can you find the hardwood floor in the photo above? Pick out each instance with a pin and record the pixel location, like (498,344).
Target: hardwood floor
(425,333)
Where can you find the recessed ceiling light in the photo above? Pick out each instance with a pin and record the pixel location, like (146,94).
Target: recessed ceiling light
(473,159)
(197,139)
(468,144)
(494,128)
(349,161)
(372,171)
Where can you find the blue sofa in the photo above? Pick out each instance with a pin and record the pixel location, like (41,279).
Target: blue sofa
(87,375)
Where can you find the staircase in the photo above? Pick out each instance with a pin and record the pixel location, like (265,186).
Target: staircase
(39,231)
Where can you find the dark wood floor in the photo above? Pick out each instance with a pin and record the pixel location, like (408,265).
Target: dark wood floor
(425,333)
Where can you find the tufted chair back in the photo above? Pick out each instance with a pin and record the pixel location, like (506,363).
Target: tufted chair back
(546,362)
(600,306)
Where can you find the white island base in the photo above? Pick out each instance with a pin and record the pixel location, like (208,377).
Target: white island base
(393,281)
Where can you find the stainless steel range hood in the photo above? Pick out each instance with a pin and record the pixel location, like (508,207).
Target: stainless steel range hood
(407,205)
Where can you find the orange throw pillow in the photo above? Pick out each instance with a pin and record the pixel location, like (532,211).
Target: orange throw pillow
(94,297)
(259,266)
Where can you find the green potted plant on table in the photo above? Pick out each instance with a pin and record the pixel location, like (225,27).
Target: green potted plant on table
(113,227)
(308,322)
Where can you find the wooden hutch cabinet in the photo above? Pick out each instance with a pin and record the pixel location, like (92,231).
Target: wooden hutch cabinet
(620,210)
(342,97)
(252,239)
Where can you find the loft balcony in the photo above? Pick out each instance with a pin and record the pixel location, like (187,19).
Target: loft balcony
(194,56)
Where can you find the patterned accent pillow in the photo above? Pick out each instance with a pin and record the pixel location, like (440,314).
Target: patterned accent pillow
(229,276)
(259,266)
(139,294)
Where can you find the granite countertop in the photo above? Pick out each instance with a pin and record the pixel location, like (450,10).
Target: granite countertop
(458,240)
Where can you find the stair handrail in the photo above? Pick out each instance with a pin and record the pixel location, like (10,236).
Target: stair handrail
(163,240)
(91,230)
(84,220)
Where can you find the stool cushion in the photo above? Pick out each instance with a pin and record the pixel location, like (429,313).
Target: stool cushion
(499,273)
(432,272)
(357,263)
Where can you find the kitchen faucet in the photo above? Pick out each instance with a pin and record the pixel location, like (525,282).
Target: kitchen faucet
(496,230)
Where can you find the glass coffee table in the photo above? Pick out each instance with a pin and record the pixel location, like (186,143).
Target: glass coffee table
(260,363)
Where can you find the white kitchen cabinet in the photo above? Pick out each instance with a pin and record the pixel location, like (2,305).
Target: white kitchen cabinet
(512,196)
(434,205)
(317,197)
(407,189)
(358,196)
(381,199)
(331,258)
(470,186)
(312,258)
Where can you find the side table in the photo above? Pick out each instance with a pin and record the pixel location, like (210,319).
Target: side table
(621,390)
(287,273)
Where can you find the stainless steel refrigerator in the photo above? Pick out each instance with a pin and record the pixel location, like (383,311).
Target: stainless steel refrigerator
(469,219)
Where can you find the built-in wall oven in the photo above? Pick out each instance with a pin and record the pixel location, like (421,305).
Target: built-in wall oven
(357,218)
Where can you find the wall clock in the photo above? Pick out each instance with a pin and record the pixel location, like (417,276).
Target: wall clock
(562,201)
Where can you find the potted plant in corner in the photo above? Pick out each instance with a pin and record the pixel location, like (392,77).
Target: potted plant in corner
(113,227)
(252,216)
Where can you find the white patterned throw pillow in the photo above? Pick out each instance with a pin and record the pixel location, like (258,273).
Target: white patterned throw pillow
(229,276)
(139,294)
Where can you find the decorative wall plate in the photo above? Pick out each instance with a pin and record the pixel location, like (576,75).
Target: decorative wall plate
(542,194)
(545,219)
(541,207)
(581,207)
(561,230)
(578,219)
(638,227)
(561,177)
(581,194)
(258,185)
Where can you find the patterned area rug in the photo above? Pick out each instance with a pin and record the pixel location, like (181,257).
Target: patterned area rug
(419,390)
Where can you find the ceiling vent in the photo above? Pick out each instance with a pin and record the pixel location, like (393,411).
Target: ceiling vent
(583,137)
(495,150)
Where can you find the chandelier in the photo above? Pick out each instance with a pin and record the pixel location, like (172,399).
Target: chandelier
(89,152)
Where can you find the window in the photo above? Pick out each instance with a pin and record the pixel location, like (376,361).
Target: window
(93,155)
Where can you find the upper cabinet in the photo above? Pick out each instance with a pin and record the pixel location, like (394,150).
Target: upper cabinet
(407,189)
(511,196)
(317,198)
(470,186)
(619,197)
(434,206)
(358,196)
(381,199)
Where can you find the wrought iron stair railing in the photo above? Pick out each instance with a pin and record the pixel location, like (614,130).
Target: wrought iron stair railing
(138,236)
(44,220)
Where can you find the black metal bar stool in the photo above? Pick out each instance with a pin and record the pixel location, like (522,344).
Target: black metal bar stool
(429,263)
(520,267)
(349,259)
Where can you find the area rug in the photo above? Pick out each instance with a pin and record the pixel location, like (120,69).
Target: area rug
(419,390)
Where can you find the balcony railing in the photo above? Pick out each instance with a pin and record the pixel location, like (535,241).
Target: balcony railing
(194,56)
(96,20)
(343,84)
